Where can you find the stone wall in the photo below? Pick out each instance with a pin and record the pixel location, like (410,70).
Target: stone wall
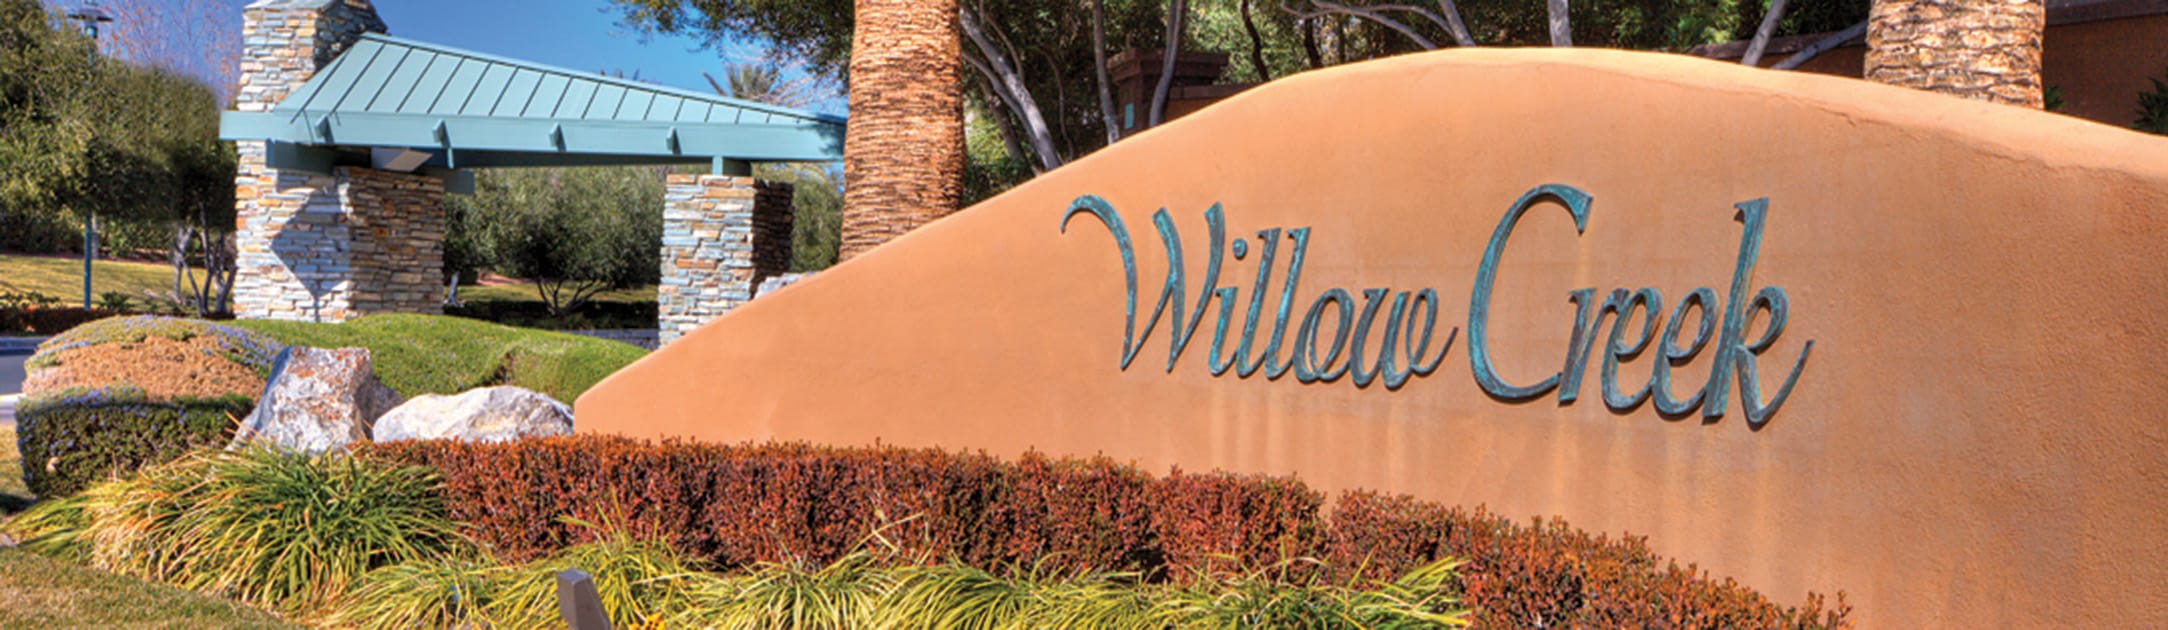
(332,248)
(284,42)
(721,236)
(320,247)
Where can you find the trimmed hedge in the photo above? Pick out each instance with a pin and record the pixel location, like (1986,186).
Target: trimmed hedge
(79,437)
(737,505)
(48,320)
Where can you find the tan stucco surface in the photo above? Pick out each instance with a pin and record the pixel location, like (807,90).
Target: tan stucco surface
(1976,440)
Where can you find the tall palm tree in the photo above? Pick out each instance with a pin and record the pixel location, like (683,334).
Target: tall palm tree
(903,153)
(1979,49)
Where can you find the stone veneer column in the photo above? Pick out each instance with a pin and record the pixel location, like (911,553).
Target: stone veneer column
(325,247)
(721,236)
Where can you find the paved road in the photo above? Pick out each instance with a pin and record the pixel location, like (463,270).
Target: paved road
(11,383)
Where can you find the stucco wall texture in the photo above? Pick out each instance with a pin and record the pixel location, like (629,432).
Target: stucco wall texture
(1976,439)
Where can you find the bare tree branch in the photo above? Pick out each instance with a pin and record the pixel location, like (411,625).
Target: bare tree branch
(1446,17)
(1821,46)
(1010,86)
(1326,8)
(1257,44)
(1004,124)
(1761,35)
(1177,13)
(1455,26)
(1561,24)
(1099,66)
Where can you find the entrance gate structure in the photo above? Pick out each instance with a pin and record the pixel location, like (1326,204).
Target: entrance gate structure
(348,140)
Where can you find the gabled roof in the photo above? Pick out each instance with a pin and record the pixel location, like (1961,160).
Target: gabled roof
(467,109)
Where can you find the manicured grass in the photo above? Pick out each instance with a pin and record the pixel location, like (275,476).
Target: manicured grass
(526,293)
(37,592)
(427,354)
(62,277)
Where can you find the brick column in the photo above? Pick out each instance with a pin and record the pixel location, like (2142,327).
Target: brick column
(721,236)
(325,247)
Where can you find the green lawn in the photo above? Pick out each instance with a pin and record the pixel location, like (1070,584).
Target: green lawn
(38,592)
(434,354)
(526,293)
(63,277)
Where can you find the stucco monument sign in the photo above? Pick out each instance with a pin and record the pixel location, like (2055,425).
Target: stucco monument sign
(1808,332)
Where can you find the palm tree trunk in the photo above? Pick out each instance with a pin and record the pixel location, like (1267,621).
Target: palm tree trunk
(1979,49)
(903,152)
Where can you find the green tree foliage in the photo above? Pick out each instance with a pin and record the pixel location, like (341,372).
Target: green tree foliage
(137,147)
(574,232)
(88,134)
(2153,109)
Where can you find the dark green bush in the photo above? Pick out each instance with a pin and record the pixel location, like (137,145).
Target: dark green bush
(78,437)
(2153,109)
(536,314)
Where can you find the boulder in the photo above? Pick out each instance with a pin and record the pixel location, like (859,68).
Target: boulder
(777,282)
(490,414)
(317,400)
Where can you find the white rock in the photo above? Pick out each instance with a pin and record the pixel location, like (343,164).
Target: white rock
(317,400)
(490,414)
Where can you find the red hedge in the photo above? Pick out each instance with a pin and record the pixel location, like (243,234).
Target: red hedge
(736,504)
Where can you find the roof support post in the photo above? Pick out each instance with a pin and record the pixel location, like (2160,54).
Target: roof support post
(726,166)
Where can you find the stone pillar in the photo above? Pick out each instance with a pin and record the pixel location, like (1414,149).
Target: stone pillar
(721,235)
(320,247)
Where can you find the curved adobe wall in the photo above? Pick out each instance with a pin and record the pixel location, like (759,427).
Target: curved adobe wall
(1974,440)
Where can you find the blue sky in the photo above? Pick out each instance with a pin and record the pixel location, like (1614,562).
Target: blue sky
(574,34)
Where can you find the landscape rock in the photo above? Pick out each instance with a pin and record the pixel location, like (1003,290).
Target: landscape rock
(490,414)
(317,400)
(779,281)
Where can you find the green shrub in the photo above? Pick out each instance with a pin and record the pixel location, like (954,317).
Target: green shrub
(77,437)
(2153,109)
(287,532)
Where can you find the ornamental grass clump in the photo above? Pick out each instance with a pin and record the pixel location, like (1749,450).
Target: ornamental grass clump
(844,594)
(638,581)
(287,532)
(1422,598)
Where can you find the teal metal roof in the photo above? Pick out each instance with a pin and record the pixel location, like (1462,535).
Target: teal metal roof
(471,110)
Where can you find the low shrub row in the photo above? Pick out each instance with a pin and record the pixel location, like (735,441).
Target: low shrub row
(365,543)
(600,315)
(742,505)
(81,436)
(47,320)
